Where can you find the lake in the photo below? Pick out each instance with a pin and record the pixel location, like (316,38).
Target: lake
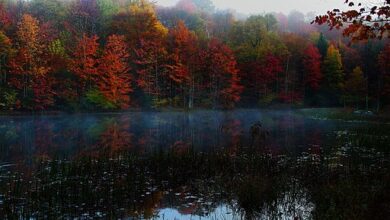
(192,165)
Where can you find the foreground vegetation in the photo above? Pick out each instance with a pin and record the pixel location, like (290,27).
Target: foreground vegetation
(345,114)
(349,180)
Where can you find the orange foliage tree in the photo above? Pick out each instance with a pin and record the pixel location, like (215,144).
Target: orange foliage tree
(184,62)
(114,77)
(146,38)
(29,69)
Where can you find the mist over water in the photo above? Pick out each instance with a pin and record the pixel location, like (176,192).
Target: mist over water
(153,131)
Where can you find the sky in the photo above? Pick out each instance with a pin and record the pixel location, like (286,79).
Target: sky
(260,6)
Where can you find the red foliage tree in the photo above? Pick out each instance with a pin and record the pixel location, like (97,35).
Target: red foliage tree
(312,67)
(43,92)
(84,62)
(114,77)
(224,82)
(116,137)
(270,69)
(260,74)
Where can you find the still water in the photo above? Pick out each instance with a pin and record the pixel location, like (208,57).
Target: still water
(198,165)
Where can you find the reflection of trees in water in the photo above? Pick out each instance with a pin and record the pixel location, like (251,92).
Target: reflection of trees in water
(252,184)
(143,132)
(135,166)
(44,140)
(232,129)
(8,150)
(114,137)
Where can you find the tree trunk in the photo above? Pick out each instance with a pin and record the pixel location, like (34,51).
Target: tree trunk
(191,95)
(286,76)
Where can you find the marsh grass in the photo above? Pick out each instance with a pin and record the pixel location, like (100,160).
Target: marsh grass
(349,180)
(343,114)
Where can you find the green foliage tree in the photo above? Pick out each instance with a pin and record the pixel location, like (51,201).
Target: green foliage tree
(8,98)
(54,11)
(56,47)
(107,9)
(254,38)
(95,98)
(355,87)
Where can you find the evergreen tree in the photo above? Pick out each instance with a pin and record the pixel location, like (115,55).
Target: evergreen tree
(333,69)
(333,76)
(322,45)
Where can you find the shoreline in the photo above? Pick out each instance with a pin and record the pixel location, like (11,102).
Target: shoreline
(314,113)
(165,109)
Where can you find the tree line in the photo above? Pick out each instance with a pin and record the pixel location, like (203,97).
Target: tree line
(120,54)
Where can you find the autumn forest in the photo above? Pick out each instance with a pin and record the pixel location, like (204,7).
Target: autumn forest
(121,54)
(186,109)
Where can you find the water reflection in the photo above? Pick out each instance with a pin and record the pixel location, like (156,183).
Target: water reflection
(203,165)
(56,136)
